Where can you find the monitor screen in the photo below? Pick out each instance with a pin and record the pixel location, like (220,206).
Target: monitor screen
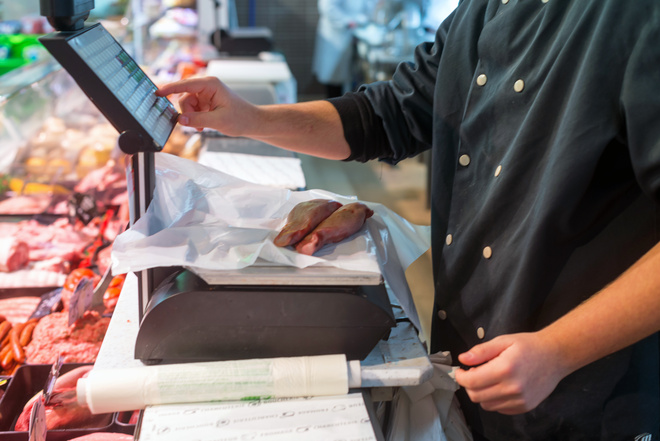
(114,82)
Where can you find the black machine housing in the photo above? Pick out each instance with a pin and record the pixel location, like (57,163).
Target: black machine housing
(189,320)
(66,15)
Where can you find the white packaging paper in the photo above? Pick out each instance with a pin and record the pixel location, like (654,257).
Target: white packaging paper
(206,220)
(316,419)
(116,390)
(273,171)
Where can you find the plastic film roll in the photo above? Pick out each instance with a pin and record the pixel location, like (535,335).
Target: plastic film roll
(116,390)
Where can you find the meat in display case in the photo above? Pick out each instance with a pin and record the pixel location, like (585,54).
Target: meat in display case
(62,185)
(63,200)
(63,188)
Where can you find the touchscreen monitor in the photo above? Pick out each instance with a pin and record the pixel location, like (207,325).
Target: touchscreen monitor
(116,84)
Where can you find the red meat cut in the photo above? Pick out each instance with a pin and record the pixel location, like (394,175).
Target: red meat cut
(79,343)
(14,254)
(18,309)
(338,226)
(304,218)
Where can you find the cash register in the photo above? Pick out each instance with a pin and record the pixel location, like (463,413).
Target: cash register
(183,318)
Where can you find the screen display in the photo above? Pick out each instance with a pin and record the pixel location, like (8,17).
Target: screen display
(124,78)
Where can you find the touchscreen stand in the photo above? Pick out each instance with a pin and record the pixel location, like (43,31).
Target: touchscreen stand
(126,97)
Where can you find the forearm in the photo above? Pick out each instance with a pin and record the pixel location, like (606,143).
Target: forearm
(312,128)
(621,314)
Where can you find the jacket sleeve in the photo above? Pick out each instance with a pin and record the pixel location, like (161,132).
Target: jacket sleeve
(640,101)
(393,120)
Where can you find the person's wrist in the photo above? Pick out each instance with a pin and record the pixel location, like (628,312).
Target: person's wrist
(252,121)
(558,352)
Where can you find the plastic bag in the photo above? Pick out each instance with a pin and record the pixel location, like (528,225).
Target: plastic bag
(206,220)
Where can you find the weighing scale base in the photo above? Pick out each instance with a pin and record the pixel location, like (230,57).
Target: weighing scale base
(188,320)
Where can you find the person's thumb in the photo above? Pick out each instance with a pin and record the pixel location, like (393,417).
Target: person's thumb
(482,353)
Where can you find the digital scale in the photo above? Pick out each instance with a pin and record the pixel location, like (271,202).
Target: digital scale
(254,313)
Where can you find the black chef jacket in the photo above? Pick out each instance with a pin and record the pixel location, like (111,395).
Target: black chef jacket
(543,117)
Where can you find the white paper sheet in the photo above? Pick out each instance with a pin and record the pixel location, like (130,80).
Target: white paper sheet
(342,417)
(272,171)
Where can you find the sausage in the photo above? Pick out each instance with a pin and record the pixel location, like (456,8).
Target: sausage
(7,359)
(26,333)
(17,349)
(304,218)
(338,226)
(4,329)
(6,347)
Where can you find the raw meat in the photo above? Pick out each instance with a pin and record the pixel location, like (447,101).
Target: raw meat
(338,226)
(63,411)
(304,218)
(54,265)
(14,254)
(52,249)
(107,184)
(59,239)
(18,309)
(79,343)
(31,278)
(32,204)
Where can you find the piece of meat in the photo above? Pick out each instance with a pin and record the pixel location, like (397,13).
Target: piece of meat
(104,436)
(54,264)
(338,226)
(14,254)
(304,218)
(63,411)
(19,309)
(60,239)
(31,278)
(79,343)
(32,204)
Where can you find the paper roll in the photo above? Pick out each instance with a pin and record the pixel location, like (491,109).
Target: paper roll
(116,390)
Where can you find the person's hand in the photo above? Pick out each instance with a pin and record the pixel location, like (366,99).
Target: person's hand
(513,374)
(207,102)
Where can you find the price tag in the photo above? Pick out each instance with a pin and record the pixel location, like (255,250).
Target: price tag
(82,207)
(81,299)
(47,304)
(37,427)
(52,379)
